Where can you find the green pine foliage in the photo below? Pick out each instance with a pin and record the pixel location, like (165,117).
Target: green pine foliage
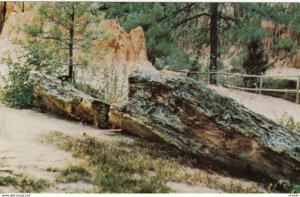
(255,63)
(62,28)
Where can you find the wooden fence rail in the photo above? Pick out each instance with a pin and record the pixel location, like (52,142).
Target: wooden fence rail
(259,88)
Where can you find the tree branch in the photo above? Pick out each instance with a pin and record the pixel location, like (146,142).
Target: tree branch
(54,38)
(227,19)
(55,21)
(182,22)
(189,19)
(178,11)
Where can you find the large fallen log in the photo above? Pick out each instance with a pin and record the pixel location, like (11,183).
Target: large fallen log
(61,98)
(197,120)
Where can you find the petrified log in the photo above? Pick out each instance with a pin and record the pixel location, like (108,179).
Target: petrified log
(196,119)
(61,98)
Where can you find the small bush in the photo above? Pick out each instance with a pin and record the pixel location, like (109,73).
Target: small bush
(18,88)
(7,180)
(289,122)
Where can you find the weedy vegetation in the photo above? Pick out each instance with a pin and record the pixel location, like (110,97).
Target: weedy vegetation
(18,89)
(130,167)
(24,184)
(287,187)
(289,122)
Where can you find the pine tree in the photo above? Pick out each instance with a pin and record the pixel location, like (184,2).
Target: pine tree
(255,63)
(3,14)
(62,28)
(213,41)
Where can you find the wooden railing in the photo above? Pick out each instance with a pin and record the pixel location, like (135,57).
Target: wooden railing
(225,79)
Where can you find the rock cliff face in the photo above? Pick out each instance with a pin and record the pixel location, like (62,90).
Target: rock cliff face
(196,119)
(282,58)
(9,8)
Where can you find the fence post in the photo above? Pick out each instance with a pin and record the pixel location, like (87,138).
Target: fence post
(260,84)
(206,78)
(298,88)
(227,76)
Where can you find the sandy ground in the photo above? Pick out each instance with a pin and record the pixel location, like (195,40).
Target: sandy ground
(271,107)
(22,151)
(283,72)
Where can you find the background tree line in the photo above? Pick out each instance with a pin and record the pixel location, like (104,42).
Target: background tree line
(166,25)
(218,25)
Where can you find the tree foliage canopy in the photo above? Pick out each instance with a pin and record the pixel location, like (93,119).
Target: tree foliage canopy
(62,28)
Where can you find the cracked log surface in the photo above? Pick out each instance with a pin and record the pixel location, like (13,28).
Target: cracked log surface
(196,119)
(63,99)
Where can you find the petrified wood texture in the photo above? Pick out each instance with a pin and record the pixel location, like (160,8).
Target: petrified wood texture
(61,98)
(196,119)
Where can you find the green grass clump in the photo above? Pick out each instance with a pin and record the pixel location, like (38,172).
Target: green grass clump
(8,180)
(88,89)
(74,173)
(52,169)
(32,185)
(24,184)
(289,122)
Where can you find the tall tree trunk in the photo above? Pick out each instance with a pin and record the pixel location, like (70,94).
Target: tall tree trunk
(23,6)
(3,15)
(71,44)
(4,10)
(213,41)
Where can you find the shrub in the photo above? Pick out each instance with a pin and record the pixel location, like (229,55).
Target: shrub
(285,186)
(18,88)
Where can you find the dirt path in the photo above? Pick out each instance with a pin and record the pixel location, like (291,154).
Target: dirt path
(271,107)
